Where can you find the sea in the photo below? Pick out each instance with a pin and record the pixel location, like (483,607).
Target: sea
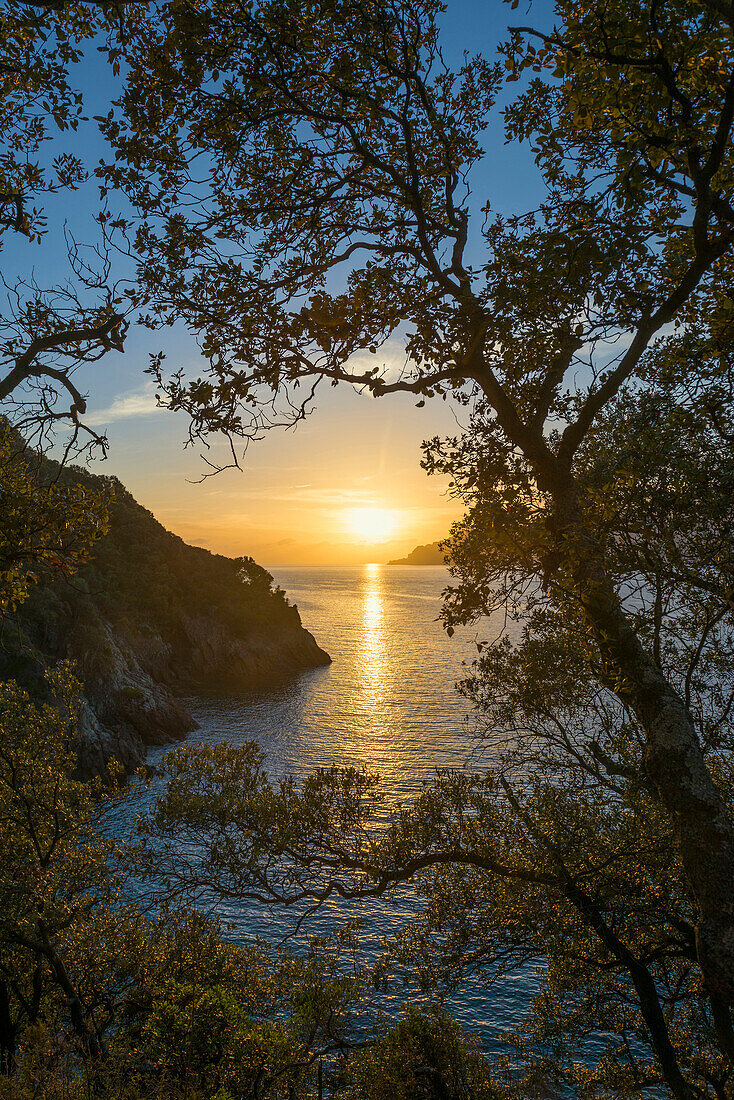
(388,702)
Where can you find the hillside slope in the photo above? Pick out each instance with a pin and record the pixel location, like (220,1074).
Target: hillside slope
(147,619)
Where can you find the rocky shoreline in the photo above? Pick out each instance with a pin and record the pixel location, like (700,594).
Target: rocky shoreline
(146,620)
(135,702)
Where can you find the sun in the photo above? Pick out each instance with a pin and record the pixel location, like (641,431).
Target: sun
(371,524)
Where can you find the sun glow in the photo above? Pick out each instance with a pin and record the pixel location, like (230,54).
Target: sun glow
(371,524)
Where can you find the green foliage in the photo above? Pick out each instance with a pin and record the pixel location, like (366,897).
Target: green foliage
(336,214)
(299,107)
(592,336)
(561,855)
(37,100)
(655,481)
(422,1058)
(48,521)
(56,883)
(341,151)
(204,1038)
(94,994)
(46,332)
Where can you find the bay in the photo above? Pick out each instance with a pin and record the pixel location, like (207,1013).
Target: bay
(388,703)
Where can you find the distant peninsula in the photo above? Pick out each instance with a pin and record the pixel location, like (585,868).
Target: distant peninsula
(430,554)
(147,620)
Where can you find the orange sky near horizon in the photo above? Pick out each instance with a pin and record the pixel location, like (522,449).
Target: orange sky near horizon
(309,496)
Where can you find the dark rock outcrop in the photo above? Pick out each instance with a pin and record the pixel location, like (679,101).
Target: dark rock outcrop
(150,619)
(430,554)
(131,684)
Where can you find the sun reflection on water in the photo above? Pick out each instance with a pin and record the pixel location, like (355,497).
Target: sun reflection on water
(373,643)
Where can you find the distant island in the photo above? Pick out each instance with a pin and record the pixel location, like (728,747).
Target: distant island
(430,554)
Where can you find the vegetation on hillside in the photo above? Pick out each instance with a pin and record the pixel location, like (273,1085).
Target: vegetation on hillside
(49,523)
(80,548)
(142,572)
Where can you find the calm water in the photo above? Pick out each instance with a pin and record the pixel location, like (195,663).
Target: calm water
(387,703)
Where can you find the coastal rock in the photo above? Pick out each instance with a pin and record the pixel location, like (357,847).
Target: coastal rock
(130,692)
(150,619)
(429,554)
(215,658)
(125,709)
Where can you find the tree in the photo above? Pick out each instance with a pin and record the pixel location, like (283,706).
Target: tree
(55,869)
(47,332)
(336,140)
(91,981)
(422,1057)
(55,876)
(49,522)
(561,854)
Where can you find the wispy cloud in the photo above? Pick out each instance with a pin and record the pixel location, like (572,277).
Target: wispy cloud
(126,406)
(390,358)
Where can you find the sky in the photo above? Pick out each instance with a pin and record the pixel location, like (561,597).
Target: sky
(346,485)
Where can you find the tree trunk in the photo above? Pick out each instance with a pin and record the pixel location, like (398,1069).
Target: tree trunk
(7,1032)
(647,993)
(674,760)
(86,1034)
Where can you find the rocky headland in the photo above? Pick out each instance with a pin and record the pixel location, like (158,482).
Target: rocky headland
(429,554)
(148,620)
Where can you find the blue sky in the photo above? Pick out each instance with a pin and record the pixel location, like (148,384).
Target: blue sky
(353,452)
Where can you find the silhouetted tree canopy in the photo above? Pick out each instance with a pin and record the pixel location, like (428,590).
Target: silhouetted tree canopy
(303,176)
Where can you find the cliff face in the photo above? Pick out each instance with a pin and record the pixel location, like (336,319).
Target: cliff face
(132,676)
(148,619)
